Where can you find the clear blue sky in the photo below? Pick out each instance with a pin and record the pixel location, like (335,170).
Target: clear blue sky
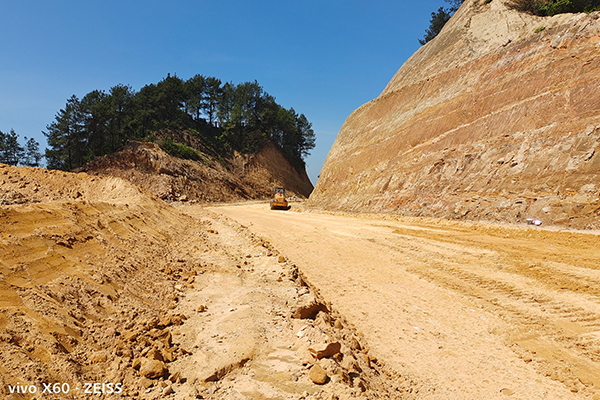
(324,58)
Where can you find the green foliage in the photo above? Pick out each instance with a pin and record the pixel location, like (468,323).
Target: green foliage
(553,7)
(12,153)
(224,116)
(540,29)
(180,150)
(10,149)
(439,19)
(31,153)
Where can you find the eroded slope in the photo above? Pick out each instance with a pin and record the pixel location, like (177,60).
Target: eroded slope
(240,177)
(497,118)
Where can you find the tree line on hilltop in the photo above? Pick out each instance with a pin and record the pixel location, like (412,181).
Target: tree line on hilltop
(224,116)
(12,153)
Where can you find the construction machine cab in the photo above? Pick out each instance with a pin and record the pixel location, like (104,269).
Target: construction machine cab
(279,202)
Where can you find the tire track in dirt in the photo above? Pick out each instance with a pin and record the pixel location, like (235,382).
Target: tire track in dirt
(536,290)
(528,305)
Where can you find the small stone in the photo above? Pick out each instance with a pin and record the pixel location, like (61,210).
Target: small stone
(98,357)
(318,375)
(281,259)
(146,383)
(350,364)
(154,354)
(201,308)
(507,392)
(176,377)
(360,384)
(168,390)
(152,368)
(168,356)
(130,336)
(137,363)
(354,344)
(325,350)
(323,319)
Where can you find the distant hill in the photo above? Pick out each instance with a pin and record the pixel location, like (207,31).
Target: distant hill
(204,139)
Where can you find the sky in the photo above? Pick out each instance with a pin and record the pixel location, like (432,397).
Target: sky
(324,58)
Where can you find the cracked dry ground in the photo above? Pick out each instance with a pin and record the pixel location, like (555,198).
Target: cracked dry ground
(101,283)
(467,310)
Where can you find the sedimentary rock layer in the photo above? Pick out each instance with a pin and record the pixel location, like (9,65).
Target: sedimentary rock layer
(496,118)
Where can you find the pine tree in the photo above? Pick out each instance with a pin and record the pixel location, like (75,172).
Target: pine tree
(31,155)
(439,19)
(11,151)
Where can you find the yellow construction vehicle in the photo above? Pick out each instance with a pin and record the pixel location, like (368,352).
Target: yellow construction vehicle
(278,202)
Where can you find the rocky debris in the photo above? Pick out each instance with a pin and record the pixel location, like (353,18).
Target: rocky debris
(495,119)
(227,362)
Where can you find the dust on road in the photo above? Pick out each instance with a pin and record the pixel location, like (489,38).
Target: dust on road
(470,310)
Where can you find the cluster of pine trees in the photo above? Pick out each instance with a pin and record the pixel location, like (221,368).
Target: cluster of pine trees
(224,116)
(12,153)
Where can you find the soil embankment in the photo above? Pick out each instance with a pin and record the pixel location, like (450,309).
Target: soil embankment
(107,291)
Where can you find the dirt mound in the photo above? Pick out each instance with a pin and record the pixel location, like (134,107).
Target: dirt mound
(35,185)
(106,290)
(240,177)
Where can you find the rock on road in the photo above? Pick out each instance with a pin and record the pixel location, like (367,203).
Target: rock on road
(468,310)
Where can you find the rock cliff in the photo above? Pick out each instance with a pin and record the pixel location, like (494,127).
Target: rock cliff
(497,118)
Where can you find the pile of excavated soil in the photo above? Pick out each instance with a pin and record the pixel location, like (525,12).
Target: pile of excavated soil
(239,177)
(107,291)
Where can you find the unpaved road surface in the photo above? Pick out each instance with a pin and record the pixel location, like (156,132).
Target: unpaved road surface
(466,310)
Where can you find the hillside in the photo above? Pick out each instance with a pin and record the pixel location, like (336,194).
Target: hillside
(497,118)
(239,177)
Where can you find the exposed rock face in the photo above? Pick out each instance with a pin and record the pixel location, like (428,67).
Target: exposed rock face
(240,178)
(496,118)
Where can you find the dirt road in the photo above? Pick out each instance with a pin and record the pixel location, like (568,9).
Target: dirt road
(469,311)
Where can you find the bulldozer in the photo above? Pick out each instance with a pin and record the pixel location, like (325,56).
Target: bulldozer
(279,202)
